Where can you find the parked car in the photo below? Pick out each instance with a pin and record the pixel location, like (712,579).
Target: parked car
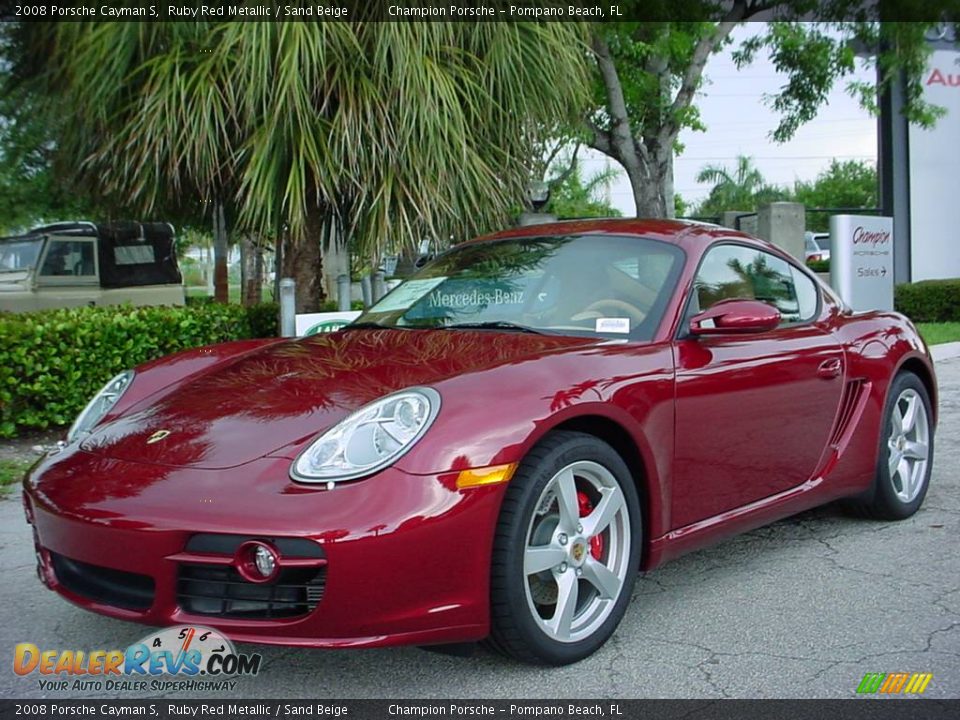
(82,263)
(494,450)
(816,246)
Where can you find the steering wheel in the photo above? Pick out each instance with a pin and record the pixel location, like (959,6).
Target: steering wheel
(597,310)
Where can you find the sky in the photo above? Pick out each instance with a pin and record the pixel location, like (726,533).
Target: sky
(738,123)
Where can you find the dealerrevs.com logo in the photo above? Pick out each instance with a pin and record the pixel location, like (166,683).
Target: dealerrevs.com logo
(192,657)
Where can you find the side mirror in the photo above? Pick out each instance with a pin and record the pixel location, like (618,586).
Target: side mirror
(735,316)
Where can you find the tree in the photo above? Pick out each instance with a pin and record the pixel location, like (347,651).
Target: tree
(32,191)
(574,197)
(848,185)
(742,189)
(648,74)
(358,130)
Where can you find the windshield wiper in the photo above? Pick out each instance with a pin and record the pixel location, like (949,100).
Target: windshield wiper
(491,325)
(377,326)
(366,326)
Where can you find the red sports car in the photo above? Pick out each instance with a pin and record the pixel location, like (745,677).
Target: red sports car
(494,450)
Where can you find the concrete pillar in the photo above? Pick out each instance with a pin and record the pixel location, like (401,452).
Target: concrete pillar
(288,311)
(343,292)
(379,286)
(730,218)
(336,262)
(748,224)
(366,289)
(783,224)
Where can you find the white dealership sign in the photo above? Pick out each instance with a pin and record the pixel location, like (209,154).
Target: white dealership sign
(318,323)
(861,260)
(934,159)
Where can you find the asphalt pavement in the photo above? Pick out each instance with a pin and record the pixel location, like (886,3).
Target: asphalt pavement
(800,609)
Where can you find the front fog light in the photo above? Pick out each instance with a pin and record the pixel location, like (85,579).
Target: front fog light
(265,560)
(257,562)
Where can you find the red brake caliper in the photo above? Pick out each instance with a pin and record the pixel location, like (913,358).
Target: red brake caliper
(586,507)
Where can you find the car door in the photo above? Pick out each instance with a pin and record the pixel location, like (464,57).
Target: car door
(67,275)
(753,411)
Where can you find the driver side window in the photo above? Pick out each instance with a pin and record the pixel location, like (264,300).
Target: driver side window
(744,273)
(71,258)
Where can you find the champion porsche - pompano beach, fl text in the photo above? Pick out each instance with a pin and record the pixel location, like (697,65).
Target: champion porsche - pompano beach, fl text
(511,11)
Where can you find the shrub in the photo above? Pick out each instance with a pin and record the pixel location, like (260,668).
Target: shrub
(52,362)
(264,320)
(929,300)
(199,299)
(334,306)
(819,266)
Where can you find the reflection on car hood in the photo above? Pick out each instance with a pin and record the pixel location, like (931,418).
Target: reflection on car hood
(289,392)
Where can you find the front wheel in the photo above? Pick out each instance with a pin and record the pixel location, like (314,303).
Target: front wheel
(566,551)
(905,456)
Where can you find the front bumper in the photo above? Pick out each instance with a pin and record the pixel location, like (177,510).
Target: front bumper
(398,559)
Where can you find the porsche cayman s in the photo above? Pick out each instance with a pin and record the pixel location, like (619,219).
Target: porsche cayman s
(492,451)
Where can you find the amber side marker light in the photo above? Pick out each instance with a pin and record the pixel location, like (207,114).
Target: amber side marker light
(485,476)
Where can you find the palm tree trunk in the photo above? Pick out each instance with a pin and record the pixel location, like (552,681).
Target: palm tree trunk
(257,279)
(221,281)
(303,261)
(251,270)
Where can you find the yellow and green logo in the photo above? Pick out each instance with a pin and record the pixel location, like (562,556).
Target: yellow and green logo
(895,683)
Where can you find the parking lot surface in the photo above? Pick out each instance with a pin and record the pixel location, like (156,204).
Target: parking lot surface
(800,609)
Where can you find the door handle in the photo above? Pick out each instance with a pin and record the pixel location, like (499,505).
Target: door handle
(830,369)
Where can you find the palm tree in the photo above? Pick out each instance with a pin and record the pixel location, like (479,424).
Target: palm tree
(358,130)
(740,189)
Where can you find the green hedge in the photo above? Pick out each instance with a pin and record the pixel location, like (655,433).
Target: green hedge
(52,362)
(929,300)
(264,320)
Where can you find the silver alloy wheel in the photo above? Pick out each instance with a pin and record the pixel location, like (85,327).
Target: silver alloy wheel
(908,445)
(570,593)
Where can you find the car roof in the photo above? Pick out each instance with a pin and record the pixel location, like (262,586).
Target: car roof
(689,234)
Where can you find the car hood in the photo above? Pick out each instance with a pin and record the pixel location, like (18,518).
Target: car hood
(275,400)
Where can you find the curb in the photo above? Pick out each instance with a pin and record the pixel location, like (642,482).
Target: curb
(946,351)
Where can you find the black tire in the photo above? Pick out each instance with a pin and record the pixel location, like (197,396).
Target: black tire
(885,500)
(515,631)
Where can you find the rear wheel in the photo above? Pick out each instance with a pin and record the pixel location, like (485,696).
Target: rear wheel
(905,455)
(566,551)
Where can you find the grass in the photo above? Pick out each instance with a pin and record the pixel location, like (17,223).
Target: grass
(234,290)
(11,473)
(938,333)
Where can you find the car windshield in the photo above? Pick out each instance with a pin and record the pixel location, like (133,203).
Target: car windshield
(610,286)
(18,254)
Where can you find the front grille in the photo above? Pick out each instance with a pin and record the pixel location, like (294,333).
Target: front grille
(221,544)
(121,589)
(221,591)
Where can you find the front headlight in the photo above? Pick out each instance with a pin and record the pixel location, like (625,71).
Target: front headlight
(99,406)
(373,437)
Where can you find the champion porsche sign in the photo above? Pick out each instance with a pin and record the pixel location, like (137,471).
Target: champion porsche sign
(861,260)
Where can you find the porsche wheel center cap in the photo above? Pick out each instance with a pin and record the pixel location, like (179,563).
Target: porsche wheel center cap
(578,551)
